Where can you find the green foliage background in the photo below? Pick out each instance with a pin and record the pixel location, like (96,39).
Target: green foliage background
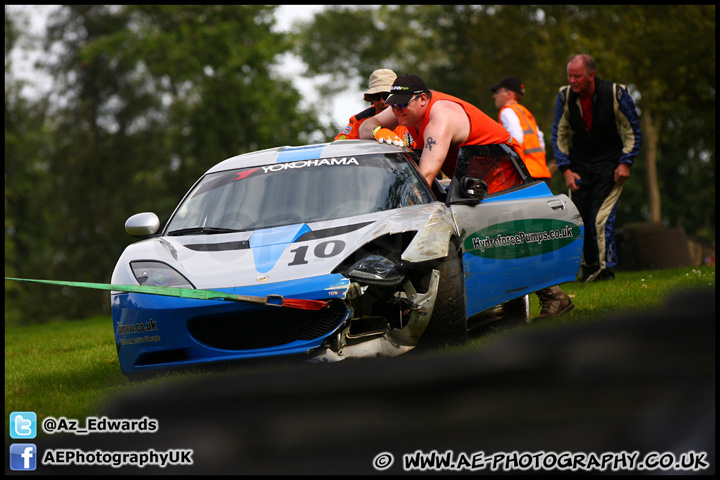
(147,97)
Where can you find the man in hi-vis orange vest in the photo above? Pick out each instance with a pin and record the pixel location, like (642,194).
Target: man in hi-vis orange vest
(522,126)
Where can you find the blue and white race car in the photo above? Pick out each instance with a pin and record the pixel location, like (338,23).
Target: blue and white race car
(339,250)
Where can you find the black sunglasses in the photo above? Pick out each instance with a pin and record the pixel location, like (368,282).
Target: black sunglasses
(374,97)
(400,106)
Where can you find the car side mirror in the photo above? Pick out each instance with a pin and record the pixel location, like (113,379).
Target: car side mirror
(142,225)
(473,187)
(466,190)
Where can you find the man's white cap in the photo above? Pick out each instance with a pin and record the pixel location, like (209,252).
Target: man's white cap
(381,81)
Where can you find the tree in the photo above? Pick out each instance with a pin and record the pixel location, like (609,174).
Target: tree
(26,142)
(147,99)
(666,54)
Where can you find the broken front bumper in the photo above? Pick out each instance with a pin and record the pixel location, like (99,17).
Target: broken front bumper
(368,336)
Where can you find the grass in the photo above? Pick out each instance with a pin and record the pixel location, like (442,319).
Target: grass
(60,368)
(69,368)
(633,290)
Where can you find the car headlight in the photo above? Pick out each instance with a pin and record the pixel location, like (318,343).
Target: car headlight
(158,274)
(376,270)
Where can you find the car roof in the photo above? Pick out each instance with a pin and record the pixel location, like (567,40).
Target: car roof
(337,149)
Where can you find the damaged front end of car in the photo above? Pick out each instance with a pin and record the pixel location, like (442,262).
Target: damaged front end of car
(392,293)
(386,321)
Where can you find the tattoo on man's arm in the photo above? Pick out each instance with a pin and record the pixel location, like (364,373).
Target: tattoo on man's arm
(430,143)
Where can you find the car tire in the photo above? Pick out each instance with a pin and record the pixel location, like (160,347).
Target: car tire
(448,325)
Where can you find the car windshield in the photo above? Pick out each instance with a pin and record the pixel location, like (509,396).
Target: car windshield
(298,192)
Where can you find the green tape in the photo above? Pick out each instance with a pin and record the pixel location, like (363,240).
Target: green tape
(151,289)
(271,300)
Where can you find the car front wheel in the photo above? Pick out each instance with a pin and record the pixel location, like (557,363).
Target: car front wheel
(448,325)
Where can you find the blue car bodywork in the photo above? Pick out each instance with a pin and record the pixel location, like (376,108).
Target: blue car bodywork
(350,223)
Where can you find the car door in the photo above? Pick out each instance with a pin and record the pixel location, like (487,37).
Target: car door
(516,236)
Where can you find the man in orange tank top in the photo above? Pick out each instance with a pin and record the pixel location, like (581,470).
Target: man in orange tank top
(441,124)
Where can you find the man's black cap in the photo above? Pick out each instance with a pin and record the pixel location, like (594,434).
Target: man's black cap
(405,87)
(511,83)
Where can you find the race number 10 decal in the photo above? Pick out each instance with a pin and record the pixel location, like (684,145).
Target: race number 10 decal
(322,250)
